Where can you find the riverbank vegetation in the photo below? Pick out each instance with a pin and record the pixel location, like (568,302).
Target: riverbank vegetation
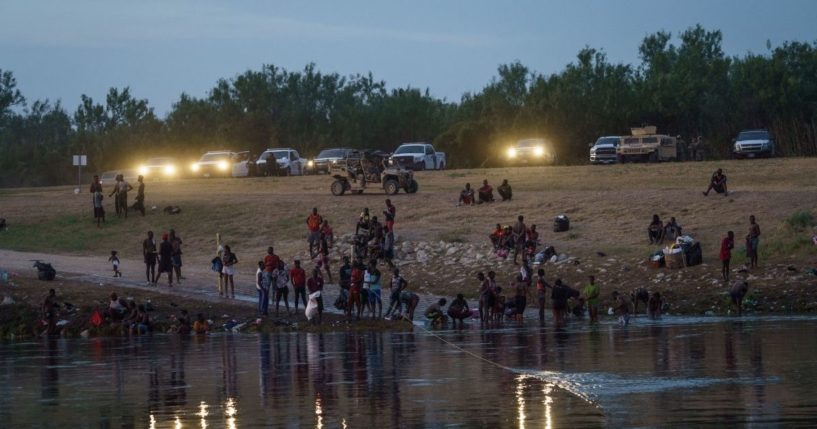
(685,84)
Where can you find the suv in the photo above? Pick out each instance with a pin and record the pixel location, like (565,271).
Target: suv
(327,158)
(288,160)
(603,151)
(753,143)
(646,145)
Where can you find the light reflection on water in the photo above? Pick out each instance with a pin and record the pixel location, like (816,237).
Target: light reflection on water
(724,372)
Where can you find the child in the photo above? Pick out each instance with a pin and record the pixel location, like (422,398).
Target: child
(200,326)
(114,260)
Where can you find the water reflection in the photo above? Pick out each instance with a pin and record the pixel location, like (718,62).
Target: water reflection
(653,375)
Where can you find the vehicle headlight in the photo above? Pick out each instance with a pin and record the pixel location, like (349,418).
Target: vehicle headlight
(194,167)
(310,163)
(143,170)
(170,170)
(222,165)
(538,151)
(737,146)
(512,152)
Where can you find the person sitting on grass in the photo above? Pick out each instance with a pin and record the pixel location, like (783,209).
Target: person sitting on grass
(486,193)
(434,312)
(458,310)
(466,196)
(718,184)
(737,293)
(656,230)
(505,190)
(496,236)
(672,230)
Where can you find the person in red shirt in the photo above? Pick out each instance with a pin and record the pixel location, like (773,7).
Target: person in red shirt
(727,244)
(354,289)
(315,284)
(486,193)
(297,276)
(313,223)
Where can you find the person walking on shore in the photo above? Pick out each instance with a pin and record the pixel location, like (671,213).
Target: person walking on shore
(389,213)
(297,276)
(149,254)
(727,244)
(262,287)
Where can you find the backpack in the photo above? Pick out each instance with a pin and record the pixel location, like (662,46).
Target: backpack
(216,264)
(45,271)
(561,223)
(693,255)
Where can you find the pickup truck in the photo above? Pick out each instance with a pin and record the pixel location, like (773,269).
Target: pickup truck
(753,143)
(418,156)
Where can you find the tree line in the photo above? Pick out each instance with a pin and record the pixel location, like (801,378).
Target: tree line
(684,85)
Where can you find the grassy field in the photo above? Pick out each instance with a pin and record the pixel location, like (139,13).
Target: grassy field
(609,208)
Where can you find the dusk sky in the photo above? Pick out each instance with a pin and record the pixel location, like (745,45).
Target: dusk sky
(62,49)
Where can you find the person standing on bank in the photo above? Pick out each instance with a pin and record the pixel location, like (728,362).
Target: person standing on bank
(165,260)
(124,188)
(176,256)
(149,253)
(116,205)
(139,205)
(229,260)
(752,241)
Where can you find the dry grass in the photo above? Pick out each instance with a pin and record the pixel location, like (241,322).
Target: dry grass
(609,208)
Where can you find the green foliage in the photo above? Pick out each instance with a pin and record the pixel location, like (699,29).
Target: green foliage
(685,86)
(800,220)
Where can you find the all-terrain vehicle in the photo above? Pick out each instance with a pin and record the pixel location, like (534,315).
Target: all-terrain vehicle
(362,169)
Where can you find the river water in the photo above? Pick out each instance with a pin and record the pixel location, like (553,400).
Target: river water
(750,372)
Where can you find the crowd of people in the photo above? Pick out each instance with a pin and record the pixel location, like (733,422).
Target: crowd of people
(120,194)
(361,280)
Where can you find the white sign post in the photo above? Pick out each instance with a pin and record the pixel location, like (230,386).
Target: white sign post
(79,162)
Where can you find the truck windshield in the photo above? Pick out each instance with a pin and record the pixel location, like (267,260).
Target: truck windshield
(753,135)
(631,140)
(278,154)
(332,153)
(607,140)
(415,148)
(207,157)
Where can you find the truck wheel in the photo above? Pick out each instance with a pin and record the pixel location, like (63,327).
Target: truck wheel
(413,187)
(442,166)
(391,186)
(653,157)
(338,188)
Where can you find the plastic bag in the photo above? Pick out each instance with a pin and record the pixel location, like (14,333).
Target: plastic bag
(312,307)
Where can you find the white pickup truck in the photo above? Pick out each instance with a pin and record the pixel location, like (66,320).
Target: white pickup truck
(418,156)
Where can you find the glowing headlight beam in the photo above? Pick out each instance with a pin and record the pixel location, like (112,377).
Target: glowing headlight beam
(539,151)
(512,152)
(194,167)
(169,170)
(222,165)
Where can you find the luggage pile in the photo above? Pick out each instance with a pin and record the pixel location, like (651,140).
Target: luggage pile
(686,252)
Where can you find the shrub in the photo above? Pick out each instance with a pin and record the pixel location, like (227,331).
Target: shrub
(800,220)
